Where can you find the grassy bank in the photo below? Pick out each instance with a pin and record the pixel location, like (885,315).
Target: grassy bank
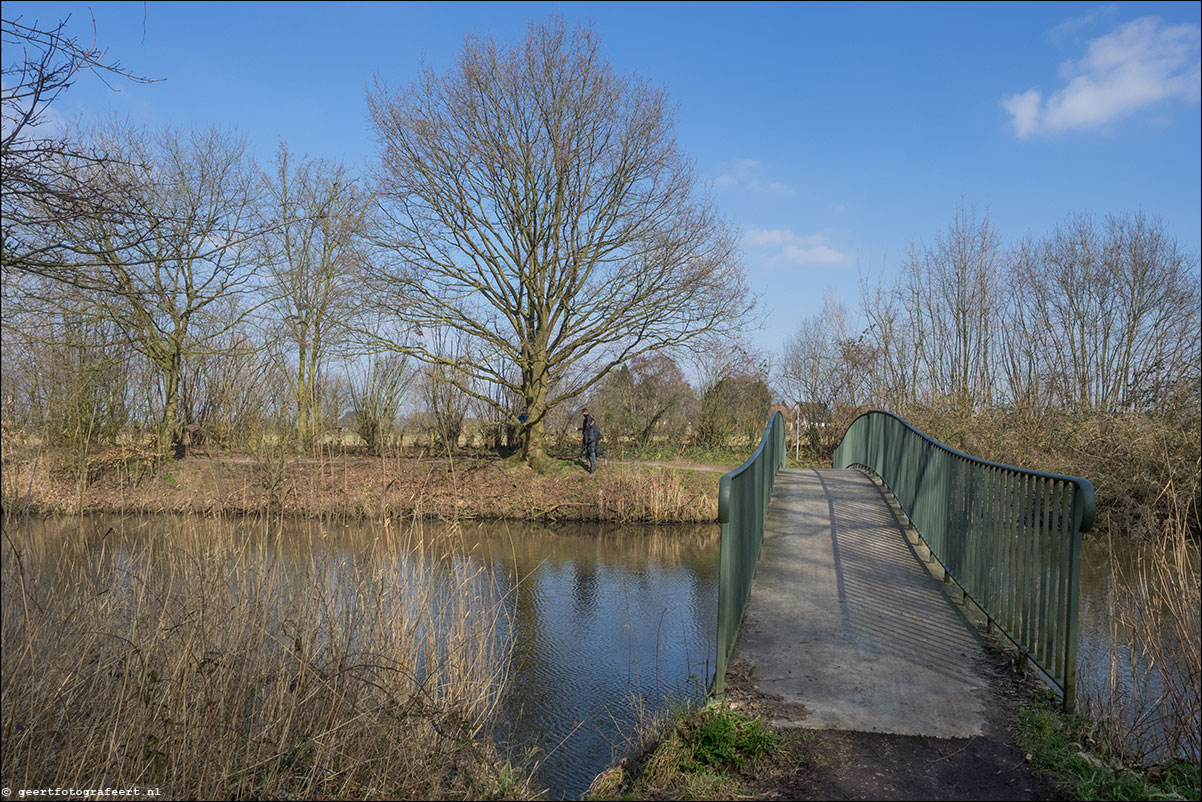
(1068,750)
(359,487)
(210,665)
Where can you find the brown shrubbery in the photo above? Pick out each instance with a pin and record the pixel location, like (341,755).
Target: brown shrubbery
(1144,468)
(470,487)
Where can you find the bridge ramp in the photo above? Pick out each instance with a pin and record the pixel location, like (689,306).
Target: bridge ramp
(845,629)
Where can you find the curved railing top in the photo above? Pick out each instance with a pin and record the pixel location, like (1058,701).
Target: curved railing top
(1088,499)
(724,482)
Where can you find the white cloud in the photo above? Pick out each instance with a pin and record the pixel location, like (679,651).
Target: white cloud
(1024,109)
(744,166)
(816,253)
(742,173)
(1142,63)
(789,247)
(763,237)
(1074,24)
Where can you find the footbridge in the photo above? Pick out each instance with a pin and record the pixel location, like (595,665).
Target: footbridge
(844,592)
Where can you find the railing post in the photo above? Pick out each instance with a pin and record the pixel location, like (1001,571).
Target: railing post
(1074,594)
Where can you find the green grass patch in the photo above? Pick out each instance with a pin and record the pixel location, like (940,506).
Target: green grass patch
(1060,747)
(698,754)
(716,738)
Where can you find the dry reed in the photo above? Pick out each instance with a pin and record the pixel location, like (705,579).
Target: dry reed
(210,663)
(1148,706)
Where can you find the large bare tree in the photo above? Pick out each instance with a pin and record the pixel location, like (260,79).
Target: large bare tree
(1108,315)
(537,201)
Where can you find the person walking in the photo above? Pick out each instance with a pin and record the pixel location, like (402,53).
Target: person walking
(590,436)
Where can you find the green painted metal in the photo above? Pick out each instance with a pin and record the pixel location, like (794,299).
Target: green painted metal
(1009,537)
(743,496)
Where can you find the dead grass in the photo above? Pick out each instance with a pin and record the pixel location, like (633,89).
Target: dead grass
(1149,704)
(1145,468)
(360,487)
(210,664)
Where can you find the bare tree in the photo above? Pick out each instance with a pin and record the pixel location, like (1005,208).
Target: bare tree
(537,202)
(1106,319)
(736,405)
(314,213)
(225,389)
(646,399)
(446,405)
(827,371)
(935,331)
(894,382)
(65,374)
(613,402)
(164,273)
(1159,310)
(376,394)
(951,293)
(45,183)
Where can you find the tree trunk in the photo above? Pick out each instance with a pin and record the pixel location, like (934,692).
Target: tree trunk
(534,393)
(533,446)
(170,429)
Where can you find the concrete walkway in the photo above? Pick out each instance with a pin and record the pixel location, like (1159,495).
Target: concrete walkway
(845,628)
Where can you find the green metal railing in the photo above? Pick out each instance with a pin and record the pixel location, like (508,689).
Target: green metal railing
(743,496)
(1009,537)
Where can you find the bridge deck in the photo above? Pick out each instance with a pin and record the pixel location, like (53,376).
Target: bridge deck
(845,629)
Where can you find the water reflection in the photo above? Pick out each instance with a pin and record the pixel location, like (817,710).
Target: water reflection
(600,622)
(602,618)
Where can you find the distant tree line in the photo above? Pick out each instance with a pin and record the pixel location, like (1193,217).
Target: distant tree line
(1094,317)
(531,230)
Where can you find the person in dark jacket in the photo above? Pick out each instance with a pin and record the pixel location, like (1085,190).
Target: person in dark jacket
(590,436)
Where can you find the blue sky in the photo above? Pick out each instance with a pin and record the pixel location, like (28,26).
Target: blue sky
(834,135)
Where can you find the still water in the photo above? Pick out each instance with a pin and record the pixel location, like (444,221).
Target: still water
(606,624)
(605,619)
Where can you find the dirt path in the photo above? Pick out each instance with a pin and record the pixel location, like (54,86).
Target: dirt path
(846,765)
